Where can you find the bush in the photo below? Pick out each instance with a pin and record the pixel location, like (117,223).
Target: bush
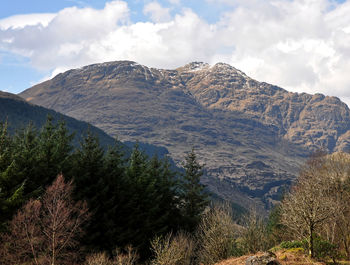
(172,250)
(98,259)
(128,257)
(216,236)
(293,244)
(325,249)
(255,234)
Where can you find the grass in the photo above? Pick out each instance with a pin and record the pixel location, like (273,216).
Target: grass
(285,257)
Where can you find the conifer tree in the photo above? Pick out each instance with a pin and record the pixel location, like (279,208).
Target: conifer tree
(167,187)
(113,194)
(139,202)
(88,173)
(24,167)
(11,187)
(149,203)
(54,151)
(194,196)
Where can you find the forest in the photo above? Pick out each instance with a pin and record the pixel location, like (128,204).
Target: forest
(66,204)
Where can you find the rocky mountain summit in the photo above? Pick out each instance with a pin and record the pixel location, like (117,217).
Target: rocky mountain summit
(251,135)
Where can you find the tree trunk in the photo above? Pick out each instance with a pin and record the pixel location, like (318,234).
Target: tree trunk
(311,242)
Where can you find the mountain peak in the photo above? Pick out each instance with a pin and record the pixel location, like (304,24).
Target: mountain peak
(216,108)
(194,66)
(224,67)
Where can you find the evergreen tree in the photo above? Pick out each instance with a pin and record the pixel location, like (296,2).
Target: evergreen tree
(167,187)
(113,194)
(194,196)
(148,206)
(54,151)
(24,167)
(29,162)
(11,187)
(139,204)
(89,180)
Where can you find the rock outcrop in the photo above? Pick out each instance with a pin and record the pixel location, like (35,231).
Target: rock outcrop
(267,258)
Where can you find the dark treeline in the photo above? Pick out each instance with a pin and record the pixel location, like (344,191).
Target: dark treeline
(131,198)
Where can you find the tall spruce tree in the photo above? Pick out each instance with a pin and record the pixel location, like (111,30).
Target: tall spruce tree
(24,167)
(139,204)
(113,195)
(194,196)
(88,175)
(150,206)
(29,161)
(11,186)
(54,151)
(167,187)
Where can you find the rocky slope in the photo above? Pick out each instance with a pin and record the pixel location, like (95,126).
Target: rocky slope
(252,136)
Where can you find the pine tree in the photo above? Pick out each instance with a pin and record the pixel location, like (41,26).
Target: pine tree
(88,175)
(11,187)
(54,151)
(139,204)
(113,195)
(149,203)
(194,196)
(24,167)
(167,187)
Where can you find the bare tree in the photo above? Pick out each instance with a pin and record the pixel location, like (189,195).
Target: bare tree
(45,231)
(128,257)
(24,242)
(337,229)
(172,250)
(254,234)
(216,235)
(307,207)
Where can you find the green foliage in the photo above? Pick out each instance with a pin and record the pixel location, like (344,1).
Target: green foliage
(325,249)
(132,199)
(194,197)
(29,161)
(293,244)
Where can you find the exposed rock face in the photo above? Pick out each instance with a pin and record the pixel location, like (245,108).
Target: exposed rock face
(268,258)
(252,136)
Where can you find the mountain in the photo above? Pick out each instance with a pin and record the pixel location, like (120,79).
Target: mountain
(252,136)
(19,113)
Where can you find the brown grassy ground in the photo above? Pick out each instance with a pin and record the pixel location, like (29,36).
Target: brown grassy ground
(285,257)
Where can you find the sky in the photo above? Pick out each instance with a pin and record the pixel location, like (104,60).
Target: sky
(300,45)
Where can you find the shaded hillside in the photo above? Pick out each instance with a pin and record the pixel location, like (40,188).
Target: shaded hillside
(19,114)
(252,136)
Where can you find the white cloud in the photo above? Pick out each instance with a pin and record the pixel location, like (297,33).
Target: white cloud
(156,12)
(21,21)
(301,45)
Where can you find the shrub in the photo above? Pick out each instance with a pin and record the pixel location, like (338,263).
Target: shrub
(293,244)
(129,257)
(98,259)
(172,250)
(216,236)
(255,234)
(325,249)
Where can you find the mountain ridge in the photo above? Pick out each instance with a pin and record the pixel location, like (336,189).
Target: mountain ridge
(253,136)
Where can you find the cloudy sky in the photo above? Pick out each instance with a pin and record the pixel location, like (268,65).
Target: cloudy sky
(300,45)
